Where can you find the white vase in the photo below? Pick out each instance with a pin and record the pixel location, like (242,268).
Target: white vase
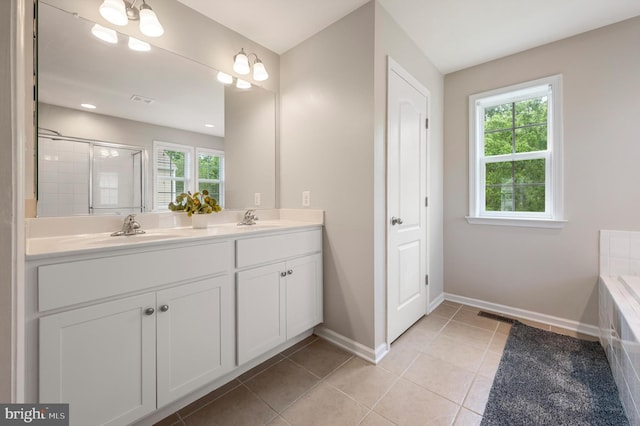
(199,221)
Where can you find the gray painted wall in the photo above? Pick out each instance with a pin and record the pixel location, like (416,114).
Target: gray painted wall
(326,147)
(88,125)
(250,149)
(333,120)
(6,193)
(553,272)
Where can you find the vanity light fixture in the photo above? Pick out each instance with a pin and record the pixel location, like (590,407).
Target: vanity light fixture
(242,84)
(120,12)
(211,126)
(104,34)
(242,66)
(88,106)
(224,78)
(138,45)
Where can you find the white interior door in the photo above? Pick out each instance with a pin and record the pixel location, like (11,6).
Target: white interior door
(406,201)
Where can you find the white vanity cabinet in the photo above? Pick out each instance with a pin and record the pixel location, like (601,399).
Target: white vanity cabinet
(130,334)
(116,361)
(101,360)
(278,301)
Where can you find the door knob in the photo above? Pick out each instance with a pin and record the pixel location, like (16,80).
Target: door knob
(149,311)
(283,274)
(290,271)
(396,221)
(164,308)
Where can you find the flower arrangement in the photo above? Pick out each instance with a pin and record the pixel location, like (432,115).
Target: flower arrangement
(196,203)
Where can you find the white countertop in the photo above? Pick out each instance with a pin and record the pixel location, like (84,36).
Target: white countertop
(37,248)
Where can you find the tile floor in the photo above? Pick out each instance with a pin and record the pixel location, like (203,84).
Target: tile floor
(437,373)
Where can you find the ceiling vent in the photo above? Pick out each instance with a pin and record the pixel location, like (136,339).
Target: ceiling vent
(142,99)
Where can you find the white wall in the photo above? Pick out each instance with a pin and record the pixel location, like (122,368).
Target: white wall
(333,120)
(552,272)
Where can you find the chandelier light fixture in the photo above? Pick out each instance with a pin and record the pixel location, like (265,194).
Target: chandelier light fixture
(120,12)
(242,66)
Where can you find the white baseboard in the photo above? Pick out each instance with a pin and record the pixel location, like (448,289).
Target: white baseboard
(591,330)
(349,345)
(435,303)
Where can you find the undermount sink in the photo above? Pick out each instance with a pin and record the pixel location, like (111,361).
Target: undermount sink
(137,238)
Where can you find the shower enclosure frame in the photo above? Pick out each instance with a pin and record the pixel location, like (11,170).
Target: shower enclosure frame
(144,160)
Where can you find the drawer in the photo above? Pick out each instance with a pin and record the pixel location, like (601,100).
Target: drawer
(260,250)
(69,283)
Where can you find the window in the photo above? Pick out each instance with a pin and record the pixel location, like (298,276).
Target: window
(174,172)
(515,155)
(210,173)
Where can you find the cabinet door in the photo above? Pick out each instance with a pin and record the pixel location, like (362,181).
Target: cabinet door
(304,294)
(261,305)
(195,327)
(101,360)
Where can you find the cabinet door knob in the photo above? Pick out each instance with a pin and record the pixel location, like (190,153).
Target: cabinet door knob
(164,308)
(283,274)
(149,311)
(290,271)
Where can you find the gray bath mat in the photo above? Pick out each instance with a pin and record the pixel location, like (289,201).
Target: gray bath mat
(545,378)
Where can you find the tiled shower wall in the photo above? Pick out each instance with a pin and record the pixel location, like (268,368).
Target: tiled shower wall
(620,315)
(619,253)
(63,177)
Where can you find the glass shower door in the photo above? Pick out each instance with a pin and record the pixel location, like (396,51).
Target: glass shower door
(116,180)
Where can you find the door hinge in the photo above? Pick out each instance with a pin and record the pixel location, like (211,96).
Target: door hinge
(426,123)
(426,201)
(426,279)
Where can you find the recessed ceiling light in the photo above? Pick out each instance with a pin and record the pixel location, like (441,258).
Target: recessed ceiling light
(88,106)
(209,125)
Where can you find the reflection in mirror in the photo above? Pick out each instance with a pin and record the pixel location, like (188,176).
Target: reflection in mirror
(141,99)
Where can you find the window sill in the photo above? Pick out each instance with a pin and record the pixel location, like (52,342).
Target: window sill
(508,221)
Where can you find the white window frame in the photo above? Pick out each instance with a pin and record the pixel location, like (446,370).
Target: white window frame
(189,172)
(552,217)
(220,181)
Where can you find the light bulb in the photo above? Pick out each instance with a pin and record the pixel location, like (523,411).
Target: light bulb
(114,11)
(104,34)
(259,71)
(149,24)
(224,78)
(241,63)
(241,84)
(138,45)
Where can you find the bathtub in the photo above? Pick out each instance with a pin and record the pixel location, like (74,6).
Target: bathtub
(619,323)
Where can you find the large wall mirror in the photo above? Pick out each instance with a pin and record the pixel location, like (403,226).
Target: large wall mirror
(124,125)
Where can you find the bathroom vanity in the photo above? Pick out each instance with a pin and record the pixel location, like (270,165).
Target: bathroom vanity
(122,328)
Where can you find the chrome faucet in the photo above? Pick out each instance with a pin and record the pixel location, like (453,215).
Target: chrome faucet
(129,227)
(249,218)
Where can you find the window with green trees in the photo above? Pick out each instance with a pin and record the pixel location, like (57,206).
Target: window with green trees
(515,154)
(179,168)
